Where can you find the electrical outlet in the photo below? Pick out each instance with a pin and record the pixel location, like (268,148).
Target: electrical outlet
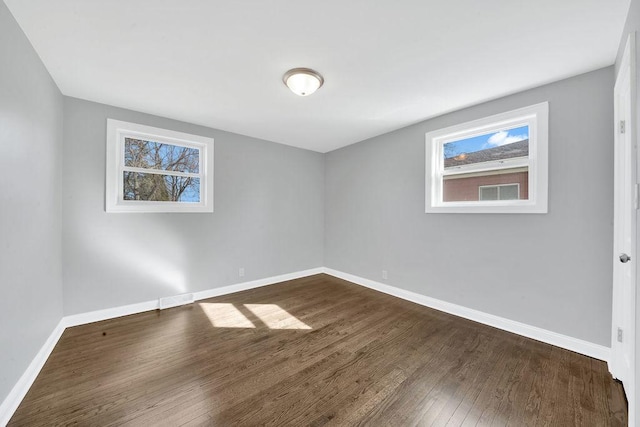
(385,276)
(241,272)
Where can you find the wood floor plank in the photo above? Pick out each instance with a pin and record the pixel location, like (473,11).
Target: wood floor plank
(479,357)
(317,351)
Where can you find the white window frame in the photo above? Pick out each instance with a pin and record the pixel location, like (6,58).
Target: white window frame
(117,131)
(536,117)
(480,187)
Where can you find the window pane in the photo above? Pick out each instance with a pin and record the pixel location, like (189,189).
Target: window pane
(488,193)
(488,153)
(489,147)
(509,192)
(161,188)
(154,155)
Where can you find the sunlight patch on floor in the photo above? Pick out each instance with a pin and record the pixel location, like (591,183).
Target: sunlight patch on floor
(276,317)
(225,315)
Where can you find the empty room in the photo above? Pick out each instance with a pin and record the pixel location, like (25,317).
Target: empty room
(297,213)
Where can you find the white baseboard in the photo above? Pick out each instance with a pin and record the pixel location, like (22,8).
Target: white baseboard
(19,391)
(564,341)
(210,293)
(108,313)
(125,310)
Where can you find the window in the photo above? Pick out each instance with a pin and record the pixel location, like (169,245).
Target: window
(157,170)
(493,165)
(499,192)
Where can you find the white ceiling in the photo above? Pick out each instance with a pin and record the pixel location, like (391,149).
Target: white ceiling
(386,64)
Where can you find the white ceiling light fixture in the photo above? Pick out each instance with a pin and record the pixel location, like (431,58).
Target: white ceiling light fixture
(303,81)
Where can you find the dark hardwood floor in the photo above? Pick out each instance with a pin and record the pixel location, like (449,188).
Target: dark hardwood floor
(314,351)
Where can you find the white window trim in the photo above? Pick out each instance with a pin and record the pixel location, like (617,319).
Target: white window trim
(536,117)
(498,187)
(117,131)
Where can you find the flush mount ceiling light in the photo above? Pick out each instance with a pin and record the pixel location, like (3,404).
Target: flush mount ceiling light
(302,81)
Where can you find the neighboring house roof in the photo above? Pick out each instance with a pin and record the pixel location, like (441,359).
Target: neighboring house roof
(508,151)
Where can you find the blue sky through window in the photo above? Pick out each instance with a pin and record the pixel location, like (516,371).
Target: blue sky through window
(149,154)
(483,142)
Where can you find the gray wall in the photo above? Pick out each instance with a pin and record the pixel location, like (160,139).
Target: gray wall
(269,218)
(30,209)
(552,271)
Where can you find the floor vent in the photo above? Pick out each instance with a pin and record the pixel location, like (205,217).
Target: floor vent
(176,300)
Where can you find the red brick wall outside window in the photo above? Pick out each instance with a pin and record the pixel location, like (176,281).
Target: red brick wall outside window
(467,189)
